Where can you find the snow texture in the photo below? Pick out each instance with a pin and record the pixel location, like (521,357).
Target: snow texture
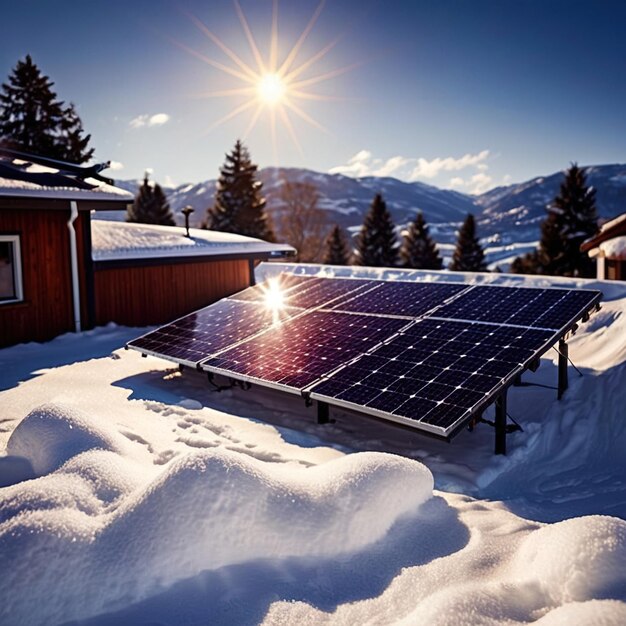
(134,495)
(120,240)
(614,248)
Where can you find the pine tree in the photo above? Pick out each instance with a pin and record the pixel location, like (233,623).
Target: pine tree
(336,248)
(150,206)
(418,249)
(32,119)
(239,206)
(468,255)
(570,220)
(376,244)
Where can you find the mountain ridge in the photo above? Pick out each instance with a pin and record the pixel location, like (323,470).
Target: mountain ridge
(505,214)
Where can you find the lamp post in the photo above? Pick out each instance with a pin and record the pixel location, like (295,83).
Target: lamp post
(187,211)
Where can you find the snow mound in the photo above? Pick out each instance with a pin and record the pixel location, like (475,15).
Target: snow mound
(578,559)
(205,511)
(52,434)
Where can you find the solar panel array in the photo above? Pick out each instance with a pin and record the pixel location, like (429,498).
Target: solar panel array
(429,355)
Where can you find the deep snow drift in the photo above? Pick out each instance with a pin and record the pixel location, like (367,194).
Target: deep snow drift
(135,495)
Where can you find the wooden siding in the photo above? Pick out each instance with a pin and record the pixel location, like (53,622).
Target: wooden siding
(615,269)
(47,307)
(140,296)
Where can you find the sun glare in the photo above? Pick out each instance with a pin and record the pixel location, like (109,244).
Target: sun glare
(275,85)
(274,298)
(271,89)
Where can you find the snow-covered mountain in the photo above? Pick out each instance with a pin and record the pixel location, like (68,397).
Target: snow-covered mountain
(515,211)
(508,217)
(346,199)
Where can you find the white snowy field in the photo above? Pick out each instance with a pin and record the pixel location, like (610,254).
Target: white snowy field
(133,494)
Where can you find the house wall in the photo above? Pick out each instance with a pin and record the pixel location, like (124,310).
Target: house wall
(46,310)
(615,269)
(138,295)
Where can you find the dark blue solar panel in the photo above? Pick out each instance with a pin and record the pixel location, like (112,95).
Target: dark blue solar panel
(299,352)
(538,308)
(435,371)
(207,331)
(400,298)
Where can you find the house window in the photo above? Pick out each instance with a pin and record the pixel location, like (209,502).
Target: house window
(10,269)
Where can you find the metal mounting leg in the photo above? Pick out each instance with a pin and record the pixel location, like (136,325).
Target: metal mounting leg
(501,423)
(563,382)
(323,413)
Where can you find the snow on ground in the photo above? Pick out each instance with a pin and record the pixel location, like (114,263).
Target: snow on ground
(132,494)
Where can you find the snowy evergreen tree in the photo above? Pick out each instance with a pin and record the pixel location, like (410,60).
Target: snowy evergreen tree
(150,206)
(418,249)
(239,206)
(32,119)
(376,244)
(468,255)
(571,219)
(337,251)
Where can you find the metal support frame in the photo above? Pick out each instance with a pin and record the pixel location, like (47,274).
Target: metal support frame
(323,413)
(501,423)
(563,356)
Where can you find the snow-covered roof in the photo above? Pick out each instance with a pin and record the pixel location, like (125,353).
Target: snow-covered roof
(612,223)
(117,241)
(613,229)
(614,248)
(25,179)
(19,188)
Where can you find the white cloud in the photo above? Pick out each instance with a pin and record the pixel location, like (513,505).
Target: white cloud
(479,183)
(116,165)
(158,119)
(430,169)
(410,169)
(457,181)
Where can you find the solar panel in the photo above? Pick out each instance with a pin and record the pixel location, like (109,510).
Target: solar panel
(305,291)
(287,284)
(524,306)
(428,355)
(400,298)
(300,351)
(434,373)
(197,336)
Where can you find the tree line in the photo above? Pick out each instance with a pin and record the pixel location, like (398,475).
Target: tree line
(299,221)
(34,120)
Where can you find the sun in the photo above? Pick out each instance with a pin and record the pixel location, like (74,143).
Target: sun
(275,86)
(271,89)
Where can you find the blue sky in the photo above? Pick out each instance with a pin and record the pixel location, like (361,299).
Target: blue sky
(460,94)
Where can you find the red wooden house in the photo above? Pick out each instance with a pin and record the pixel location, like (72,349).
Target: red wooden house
(53,279)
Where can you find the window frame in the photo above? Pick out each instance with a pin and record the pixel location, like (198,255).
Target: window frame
(18,280)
